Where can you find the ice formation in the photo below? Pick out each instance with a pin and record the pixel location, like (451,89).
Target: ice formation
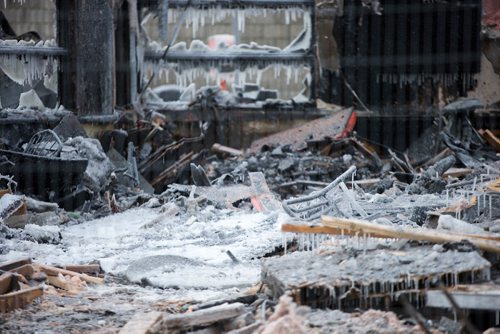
(197,18)
(26,68)
(22,2)
(186,72)
(303,41)
(30,99)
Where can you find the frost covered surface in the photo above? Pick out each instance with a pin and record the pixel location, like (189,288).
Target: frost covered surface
(8,203)
(99,167)
(30,99)
(339,268)
(182,252)
(43,234)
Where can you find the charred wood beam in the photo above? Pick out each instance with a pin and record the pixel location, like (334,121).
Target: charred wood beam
(85,29)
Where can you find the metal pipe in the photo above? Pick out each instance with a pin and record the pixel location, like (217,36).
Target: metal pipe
(99,119)
(177,56)
(239,3)
(32,50)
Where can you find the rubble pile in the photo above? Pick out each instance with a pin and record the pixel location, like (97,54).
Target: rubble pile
(246,203)
(338,225)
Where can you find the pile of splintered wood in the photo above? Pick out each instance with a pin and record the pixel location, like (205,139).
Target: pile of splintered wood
(21,281)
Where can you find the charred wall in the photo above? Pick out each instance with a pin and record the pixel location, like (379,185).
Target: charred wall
(408,57)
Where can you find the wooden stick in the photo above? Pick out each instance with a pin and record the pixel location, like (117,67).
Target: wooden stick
(27,270)
(491,139)
(10,265)
(227,150)
(420,234)
(53,271)
(84,268)
(202,317)
(320,229)
(5,282)
(141,323)
(19,299)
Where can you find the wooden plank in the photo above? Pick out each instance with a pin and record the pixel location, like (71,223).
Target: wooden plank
(11,204)
(491,139)
(319,229)
(494,185)
(54,271)
(4,191)
(5,282)
(84,268)
(202,317)
(400,232)
(218,148)
(474,299)
(141,323)
(27,270)
(9,265)
(457,172)
(365,183)
(19,299)
(59,283)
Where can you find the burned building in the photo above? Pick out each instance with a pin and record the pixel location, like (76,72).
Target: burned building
(247,166)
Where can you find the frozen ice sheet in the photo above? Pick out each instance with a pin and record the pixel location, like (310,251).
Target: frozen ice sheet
(180,252)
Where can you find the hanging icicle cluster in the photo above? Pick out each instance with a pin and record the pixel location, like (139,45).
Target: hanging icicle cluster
(21,2)
(25,68)
(186,71)
(196,17)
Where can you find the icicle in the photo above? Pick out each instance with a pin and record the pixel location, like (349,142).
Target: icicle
(365,245)
(490,205)
(478,204)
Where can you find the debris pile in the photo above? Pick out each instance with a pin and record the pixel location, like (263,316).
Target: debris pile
(23,281)
(331,222)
